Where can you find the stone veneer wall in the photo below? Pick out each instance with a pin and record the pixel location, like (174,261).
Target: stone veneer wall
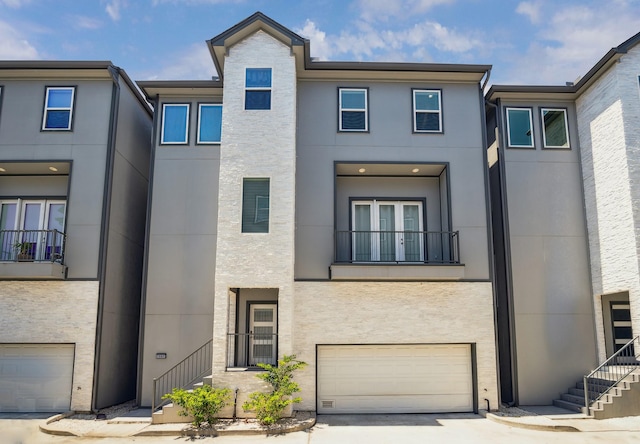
(609,128)
(256,143)
(395,313)
(55,313)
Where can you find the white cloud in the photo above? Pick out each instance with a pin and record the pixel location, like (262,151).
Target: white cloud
(321,47)
(14,46)
(14,3)
(195,2)
(113,8)
(383,10)
(192,63)
(573,39)
(83,22)
(531,10)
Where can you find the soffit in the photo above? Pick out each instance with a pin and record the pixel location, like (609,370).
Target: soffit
(39,168)
(389,169)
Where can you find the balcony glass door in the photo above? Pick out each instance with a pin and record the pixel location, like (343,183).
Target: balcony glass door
(387,231)
(8,221)
(262,337)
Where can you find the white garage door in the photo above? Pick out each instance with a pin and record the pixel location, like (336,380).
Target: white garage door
(394,378)
(35,377)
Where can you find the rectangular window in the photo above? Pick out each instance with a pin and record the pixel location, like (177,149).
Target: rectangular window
(58,108)
(554,128)
(427,111)
(209,123)
(519,128)
(257,93)
(353,115)
(175,123)
(255,205)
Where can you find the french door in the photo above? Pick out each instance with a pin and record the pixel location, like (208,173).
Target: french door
(387,231)
(263,324)
(26,227)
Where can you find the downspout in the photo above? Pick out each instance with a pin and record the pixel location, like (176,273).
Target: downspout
(507,250)
(145,264)
(104,231)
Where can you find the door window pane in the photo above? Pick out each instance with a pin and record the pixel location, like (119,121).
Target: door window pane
(362,233)
(387,221)
(411,236)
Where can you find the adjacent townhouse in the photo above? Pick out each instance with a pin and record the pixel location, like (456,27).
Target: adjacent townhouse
(338,211)
(74,162)
(565,199)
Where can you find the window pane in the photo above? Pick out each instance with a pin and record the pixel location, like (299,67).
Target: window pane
(555,130)
(353,120)
(57,119)
(255,206)
(257,99)
(519,121)
(387,221)
(210,123)
(258,78)
(352,99)
(8,216)
(427,100)
(59,98)
(427,121)
(175,124)
(362,233)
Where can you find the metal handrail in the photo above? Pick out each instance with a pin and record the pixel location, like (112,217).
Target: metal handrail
(608,374)
(32,246)
(428,247)
(249,349)
(185,373)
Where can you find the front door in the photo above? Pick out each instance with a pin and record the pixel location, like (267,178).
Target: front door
(621,320)
(262,333)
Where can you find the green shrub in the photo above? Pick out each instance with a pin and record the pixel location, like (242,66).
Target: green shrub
(202,403)
(270,406)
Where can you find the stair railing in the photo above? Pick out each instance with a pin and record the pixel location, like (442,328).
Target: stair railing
(608,374)
(185,373)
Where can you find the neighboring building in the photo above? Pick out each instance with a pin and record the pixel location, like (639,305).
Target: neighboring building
(333,210)
(565,173)
(74,162)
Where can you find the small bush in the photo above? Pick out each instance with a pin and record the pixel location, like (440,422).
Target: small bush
(203,403)
(270,406)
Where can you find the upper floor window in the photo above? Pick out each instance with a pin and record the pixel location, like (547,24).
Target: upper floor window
(255,205)
(175,123)
(257,93)
(353,113)
(58,108)
(427,111)
(555,132)
(519,128)
(209,123)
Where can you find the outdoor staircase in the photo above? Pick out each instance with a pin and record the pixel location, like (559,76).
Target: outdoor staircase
(170,413)
(612,390)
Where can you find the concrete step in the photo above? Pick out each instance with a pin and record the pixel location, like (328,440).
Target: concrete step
(567,405)
(573,398)
(577,392)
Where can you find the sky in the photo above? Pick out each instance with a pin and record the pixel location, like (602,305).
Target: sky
(529,42)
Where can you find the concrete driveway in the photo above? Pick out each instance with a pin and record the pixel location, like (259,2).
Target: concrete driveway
(330,429)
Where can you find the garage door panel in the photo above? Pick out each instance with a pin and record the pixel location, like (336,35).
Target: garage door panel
(389,378)
(36,377)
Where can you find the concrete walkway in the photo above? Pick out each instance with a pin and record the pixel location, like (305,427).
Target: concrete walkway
(138,423)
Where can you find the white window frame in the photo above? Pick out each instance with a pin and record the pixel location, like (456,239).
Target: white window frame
(258,88)
(515,108)
(544,129)
(186,126)
(416,111)
(207,142)
(365,110)
(61,108)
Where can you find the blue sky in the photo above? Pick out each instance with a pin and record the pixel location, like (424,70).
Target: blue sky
(527,42)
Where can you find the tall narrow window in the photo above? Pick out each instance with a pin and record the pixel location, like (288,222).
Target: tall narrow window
(175,123)
(427,111)
(58,108)
(555,129)
(255,205)
(257,93)
(519,128)
(209,123)
(353,114)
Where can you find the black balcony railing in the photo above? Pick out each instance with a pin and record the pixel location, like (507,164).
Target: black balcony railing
(249,349)
(32,245)
(428,247)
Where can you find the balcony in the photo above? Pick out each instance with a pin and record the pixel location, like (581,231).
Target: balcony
(397,255)
(32,254)
(246,350)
